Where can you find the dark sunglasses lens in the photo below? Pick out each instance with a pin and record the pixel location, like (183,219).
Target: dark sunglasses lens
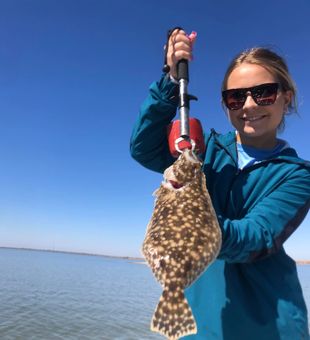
(265,94)
(234,99)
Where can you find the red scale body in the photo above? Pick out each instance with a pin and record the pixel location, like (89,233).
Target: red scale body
(196,135)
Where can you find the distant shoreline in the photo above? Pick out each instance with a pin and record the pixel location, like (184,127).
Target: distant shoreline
(299,262)
(303,262)
(78,253)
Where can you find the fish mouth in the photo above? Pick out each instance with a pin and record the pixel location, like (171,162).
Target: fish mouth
(175,184)
(170,181)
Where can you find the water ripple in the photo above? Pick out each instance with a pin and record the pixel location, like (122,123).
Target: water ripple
(53,296)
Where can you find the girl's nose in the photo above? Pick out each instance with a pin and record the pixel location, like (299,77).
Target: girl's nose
(249,102)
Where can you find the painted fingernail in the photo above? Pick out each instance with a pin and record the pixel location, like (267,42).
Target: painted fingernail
(192,36)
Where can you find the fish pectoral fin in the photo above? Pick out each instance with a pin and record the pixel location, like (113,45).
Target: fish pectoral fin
(173,316)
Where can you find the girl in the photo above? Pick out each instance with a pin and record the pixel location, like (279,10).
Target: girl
(260,190)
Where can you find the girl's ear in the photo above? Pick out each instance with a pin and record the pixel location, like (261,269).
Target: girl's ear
(288,96)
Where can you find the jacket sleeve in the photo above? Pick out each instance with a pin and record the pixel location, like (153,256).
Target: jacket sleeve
(149,144)
(266,227)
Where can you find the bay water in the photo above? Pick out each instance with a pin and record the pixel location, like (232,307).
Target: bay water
(52,295)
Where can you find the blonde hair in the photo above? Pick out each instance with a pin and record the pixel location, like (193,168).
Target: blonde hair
(273,63)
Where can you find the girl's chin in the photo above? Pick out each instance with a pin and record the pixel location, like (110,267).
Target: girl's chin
(248,132)
(252,131)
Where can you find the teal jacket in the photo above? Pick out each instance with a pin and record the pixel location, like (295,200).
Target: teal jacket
(252,290)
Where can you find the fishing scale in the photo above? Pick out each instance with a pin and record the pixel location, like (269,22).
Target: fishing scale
(186,132)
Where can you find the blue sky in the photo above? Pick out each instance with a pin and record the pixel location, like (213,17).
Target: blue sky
(73,74)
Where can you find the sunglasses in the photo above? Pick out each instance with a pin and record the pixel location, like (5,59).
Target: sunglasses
(263,95)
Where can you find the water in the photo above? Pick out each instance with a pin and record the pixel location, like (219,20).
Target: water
(46,296)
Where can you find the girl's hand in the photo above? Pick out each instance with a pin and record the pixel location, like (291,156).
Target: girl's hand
(180,47)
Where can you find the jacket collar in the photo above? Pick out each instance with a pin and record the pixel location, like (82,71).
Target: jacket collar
(228,142)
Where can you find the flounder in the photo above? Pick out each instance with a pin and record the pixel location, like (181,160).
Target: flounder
(183,237)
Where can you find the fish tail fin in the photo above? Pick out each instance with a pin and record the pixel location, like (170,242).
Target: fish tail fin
(173,316)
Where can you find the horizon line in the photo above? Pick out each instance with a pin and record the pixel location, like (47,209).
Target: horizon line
(131,258)
(73,252)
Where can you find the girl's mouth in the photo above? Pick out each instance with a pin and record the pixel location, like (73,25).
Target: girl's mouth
(253,118)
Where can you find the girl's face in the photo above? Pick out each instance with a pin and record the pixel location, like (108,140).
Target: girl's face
(256,125)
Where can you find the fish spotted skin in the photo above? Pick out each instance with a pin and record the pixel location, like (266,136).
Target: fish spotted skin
(183,237)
